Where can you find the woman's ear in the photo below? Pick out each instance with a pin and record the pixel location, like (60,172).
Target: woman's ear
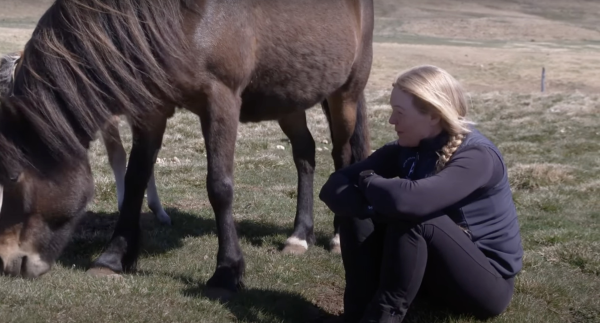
(435,119)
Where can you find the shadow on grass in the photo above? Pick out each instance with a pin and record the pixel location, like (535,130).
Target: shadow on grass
(255,233)
(423,310)
(250,305)
(96,229)
(260,305)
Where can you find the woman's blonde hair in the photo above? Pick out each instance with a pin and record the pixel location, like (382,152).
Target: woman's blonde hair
(437,92)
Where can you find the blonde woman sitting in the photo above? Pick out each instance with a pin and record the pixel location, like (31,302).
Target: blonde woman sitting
(431,212)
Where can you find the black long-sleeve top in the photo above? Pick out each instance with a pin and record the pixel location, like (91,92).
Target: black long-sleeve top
(472,190)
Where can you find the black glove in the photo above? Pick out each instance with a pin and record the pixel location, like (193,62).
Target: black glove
(364,178)
(363,181)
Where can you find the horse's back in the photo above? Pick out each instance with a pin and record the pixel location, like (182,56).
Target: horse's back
(284,55)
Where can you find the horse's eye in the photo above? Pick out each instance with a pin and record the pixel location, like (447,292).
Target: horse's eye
(14,176)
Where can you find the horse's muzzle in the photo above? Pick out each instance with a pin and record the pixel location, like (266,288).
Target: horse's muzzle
(24,266)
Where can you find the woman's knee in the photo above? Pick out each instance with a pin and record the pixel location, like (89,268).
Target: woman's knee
(498,305)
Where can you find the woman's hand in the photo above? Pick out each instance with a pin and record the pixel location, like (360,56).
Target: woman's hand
(364,178)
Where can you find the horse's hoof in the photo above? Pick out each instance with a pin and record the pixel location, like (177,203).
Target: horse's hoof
(295,246)
(103,272)
(336,249)
(162,216)
(164,219)
(225,282)
(218,294)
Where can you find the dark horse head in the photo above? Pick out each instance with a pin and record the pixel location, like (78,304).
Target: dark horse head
(69,80)
(43,192)
(29,238)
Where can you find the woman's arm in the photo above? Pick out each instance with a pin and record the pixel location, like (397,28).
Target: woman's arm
(341,194)
(469,170)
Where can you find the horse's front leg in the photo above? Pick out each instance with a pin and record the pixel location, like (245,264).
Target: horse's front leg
(219,119)
(122,251)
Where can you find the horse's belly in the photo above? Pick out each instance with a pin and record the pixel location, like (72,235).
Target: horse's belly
(258,107)
(283,84)
(303,71)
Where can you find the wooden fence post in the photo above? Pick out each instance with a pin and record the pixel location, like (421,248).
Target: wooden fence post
(543,79)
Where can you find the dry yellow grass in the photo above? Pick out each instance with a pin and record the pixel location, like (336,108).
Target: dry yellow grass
(531,176)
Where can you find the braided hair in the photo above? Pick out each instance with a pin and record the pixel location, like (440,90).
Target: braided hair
(453,143)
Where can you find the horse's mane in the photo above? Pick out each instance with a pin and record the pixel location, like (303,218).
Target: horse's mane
(7,69)
(88,60)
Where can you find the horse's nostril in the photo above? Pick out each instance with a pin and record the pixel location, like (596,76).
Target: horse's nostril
(12,267)
(2,264)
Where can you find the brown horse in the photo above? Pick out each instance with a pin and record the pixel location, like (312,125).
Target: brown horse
(110,136)
(226,61)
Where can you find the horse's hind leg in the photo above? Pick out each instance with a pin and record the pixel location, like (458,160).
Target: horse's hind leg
(154,202)
(303,149)
(117,157)
(346,112)
(122,251)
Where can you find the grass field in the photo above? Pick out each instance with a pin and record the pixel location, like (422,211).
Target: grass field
(550,141)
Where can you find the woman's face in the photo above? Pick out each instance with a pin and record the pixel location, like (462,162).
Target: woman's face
(410,124)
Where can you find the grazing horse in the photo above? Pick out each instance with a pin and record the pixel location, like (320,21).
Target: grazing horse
(110,136)
(226,61)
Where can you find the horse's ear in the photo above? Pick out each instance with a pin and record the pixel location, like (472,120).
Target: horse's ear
(11,166)
(11,172)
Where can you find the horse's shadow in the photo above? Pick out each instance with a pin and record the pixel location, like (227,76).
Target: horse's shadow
(95,231)
(261,305)
(253,305)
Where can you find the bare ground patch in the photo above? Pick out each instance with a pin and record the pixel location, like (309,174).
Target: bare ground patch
(15,10)
(488,19)
(500,28)
(493,69)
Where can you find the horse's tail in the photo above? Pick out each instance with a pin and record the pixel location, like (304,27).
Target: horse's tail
(327,112)
(359,141)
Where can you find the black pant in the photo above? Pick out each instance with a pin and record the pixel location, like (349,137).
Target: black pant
(386,264)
